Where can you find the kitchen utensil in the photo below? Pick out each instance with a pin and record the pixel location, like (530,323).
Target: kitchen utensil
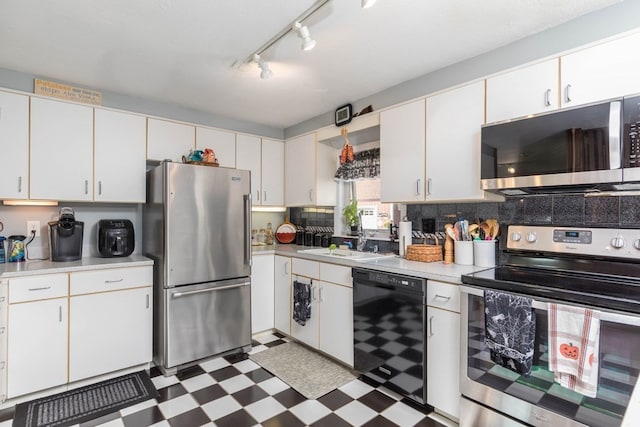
(465,230)
(457,228)
(286,233)
(451,233)
(495,230)
(485,231)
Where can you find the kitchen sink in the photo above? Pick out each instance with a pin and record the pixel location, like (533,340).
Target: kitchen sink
(347,254)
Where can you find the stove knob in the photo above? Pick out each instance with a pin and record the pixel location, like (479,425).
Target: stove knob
(515,236)
(636,244)
(531,237)
(617,242)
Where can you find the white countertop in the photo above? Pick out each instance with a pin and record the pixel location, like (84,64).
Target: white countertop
(429,270)
(26,268)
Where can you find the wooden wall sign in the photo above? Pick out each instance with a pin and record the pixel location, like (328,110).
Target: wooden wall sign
(69,93)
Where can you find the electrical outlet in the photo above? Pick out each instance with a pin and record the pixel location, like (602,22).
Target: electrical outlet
(33,226)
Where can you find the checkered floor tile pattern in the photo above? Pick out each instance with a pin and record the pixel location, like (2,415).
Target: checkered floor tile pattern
(234,391)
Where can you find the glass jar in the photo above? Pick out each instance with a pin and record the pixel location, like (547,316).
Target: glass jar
(261,237)
(269,234)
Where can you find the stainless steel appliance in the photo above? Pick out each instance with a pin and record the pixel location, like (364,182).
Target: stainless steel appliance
(631,142)
(583,267)
(65,237)
(578,148)
(116,238)
(389,331)
(197,229)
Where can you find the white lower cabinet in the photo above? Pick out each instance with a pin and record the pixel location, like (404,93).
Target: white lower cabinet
(307,333)
(69,326)
(443,347)
(262,293)
(109,331)
(330,328)
(336,321)
(37,339)
(282,294)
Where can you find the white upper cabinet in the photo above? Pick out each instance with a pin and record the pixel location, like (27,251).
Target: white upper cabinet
(601,72)
(402,153)
(61,151)
(454,119)
(221,142)
(120,157)
(248,155)
(308,172)
(14,145)
(529,90)
(272,166)
(169,140)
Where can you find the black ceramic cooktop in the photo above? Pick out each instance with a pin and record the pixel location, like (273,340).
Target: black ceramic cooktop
(609,291)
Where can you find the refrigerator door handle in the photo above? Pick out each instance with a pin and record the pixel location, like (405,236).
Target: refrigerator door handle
(201,291)
(247,229)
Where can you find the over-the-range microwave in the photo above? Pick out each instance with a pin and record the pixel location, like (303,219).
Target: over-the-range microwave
(592,147)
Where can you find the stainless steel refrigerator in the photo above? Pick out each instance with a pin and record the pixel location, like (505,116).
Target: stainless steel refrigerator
(197,229)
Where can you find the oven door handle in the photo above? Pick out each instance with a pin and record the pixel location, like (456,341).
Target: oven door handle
(605,316)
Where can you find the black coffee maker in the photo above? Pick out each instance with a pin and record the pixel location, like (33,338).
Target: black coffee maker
(66,237)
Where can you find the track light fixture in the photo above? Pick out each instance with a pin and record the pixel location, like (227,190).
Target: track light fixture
(265,71)
(303,32)
(367,3)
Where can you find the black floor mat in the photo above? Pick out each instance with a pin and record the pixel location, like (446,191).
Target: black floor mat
(85,403)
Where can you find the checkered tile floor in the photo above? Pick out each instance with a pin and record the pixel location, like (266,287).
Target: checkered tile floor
(234,391)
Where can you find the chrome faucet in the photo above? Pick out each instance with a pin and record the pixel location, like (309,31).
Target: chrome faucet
(362,239)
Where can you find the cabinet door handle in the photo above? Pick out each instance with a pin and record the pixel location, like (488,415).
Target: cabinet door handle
(313,292)
(19,184)
(60,313)
(320,294)
(147,301)
(286,269)
(431,326)
(44,288)
(258,195)
(114,281)
(442,297)
(86,186)
(418,186)
(99,188)
(429,187)
(547,99)
(264,197)
(567,93)
(311,195)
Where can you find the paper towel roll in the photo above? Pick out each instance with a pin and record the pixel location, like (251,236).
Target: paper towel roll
(404,236)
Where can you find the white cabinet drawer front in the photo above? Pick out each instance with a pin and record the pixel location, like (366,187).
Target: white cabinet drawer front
(34,288)
(86,282)
(443,295)
(335,274)
(306,268)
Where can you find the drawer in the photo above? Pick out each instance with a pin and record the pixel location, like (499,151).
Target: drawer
(335,274)
(87,282)
(443,295)
(304,267)
(33,288)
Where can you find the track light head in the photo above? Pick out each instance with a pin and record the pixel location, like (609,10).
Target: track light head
(367,3)
(265,71)
(303,32)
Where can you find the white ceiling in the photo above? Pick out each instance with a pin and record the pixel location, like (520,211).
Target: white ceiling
(182,51)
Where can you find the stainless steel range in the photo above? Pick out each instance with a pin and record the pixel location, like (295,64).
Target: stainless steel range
(597,269)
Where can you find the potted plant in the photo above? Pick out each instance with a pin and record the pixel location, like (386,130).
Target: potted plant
(351,216)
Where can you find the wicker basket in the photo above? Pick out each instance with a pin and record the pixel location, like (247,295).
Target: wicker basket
(425,252)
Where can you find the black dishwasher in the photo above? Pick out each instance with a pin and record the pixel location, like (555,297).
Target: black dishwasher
(389,331)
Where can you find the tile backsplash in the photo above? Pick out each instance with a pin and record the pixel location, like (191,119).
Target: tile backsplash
(566,209)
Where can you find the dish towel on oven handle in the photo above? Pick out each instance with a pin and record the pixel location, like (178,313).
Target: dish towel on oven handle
(301,302)
(574,346)
(510,325)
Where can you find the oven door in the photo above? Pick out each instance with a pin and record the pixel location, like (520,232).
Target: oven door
(538,400)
